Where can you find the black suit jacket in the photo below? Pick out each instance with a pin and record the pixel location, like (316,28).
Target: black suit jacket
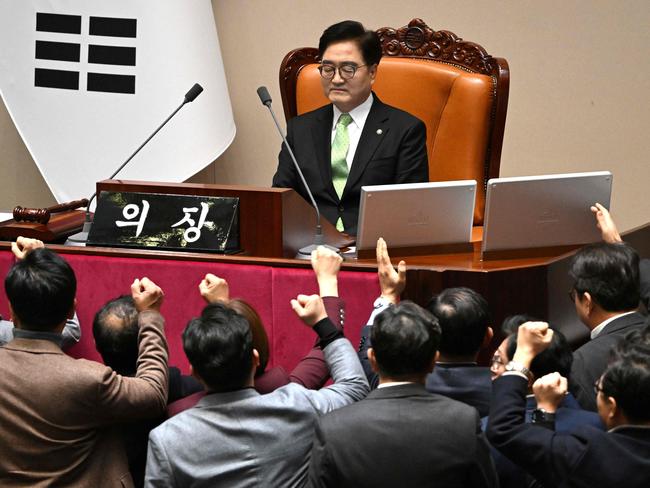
(590,360)
(392,149)
(588,457)
(401,436)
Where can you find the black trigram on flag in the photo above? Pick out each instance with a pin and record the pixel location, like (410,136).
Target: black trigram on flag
(98,54)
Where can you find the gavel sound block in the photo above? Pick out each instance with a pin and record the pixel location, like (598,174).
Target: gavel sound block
(47,224)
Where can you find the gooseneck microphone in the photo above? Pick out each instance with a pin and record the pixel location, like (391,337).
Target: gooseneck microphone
(319,240)
(81,237)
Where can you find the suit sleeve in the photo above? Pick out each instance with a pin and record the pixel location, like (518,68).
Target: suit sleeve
(158,472)
(322,470)
(286,176)
(365,343)
(145,395)
(548,456)
(350,383)
(580,385)
(312,371)
(413,162)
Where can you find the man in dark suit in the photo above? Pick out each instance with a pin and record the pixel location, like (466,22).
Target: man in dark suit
(464,319)
(356,140)
(588,457)
(402,435)
(606,295)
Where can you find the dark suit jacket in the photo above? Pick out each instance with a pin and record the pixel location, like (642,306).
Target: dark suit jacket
(57,413)
(588,457)
(401,436)
(568,417)
(590,360)
(392,149)
(467,383)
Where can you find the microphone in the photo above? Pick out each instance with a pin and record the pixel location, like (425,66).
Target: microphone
(319,240)
(80,238)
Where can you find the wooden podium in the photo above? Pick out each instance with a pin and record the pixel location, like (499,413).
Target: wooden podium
(274,222)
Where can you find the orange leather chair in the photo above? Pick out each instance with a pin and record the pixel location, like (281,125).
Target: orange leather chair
(454,86)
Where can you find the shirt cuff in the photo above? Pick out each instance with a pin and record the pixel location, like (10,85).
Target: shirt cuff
(379,306)
(327,332)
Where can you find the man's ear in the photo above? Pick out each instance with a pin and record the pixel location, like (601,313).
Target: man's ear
(372,71)
(433,362)
(373,360)
(487,338)
(587,301)
(256,359)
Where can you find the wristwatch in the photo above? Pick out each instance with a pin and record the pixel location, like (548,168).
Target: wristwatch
(519,368)
(542,416)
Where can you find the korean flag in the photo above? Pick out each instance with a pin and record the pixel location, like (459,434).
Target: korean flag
(86,81)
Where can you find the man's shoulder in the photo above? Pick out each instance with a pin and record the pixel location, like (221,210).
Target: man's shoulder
(402,117)
(312,116)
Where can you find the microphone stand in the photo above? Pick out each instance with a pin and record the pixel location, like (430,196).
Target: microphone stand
(80,238)
(319,239)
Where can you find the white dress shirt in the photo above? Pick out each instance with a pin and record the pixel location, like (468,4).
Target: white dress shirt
(359,115)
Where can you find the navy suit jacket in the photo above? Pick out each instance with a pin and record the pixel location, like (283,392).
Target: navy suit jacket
(465,382)
(392,149)
(590,360)
(401,435)
(569,416)
(588,457)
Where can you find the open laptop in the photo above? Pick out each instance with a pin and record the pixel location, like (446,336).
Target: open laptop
(416,214)
(543,211)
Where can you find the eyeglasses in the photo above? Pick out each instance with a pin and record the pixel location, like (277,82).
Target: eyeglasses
(496,363)
(346,71)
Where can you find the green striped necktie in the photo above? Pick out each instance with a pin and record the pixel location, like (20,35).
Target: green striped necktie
(340,147)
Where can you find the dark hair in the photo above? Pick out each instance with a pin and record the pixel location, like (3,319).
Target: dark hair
(637,339)
(115,329)
(464,318)
(405,339)
(350,30)
(628,381)
(41,289)
(511,323)
(260,339)
(219,346)
(558,356)
(610,273)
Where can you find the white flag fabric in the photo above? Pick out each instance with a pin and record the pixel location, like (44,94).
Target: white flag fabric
(87,81)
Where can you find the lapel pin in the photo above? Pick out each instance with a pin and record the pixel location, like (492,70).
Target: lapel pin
(379,132)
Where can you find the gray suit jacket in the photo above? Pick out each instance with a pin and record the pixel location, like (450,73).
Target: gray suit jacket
(244,439)
(69,337)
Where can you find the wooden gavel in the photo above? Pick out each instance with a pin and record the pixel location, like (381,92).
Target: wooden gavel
(42,215)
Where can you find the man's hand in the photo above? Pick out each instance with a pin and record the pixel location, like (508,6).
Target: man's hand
(214,289)
(549,391)
(146,295)
(391,281)
(532,338)
(326,265)
(606,224)
(309,308)
(25,245)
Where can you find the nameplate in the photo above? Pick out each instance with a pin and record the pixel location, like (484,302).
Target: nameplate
(162,221)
